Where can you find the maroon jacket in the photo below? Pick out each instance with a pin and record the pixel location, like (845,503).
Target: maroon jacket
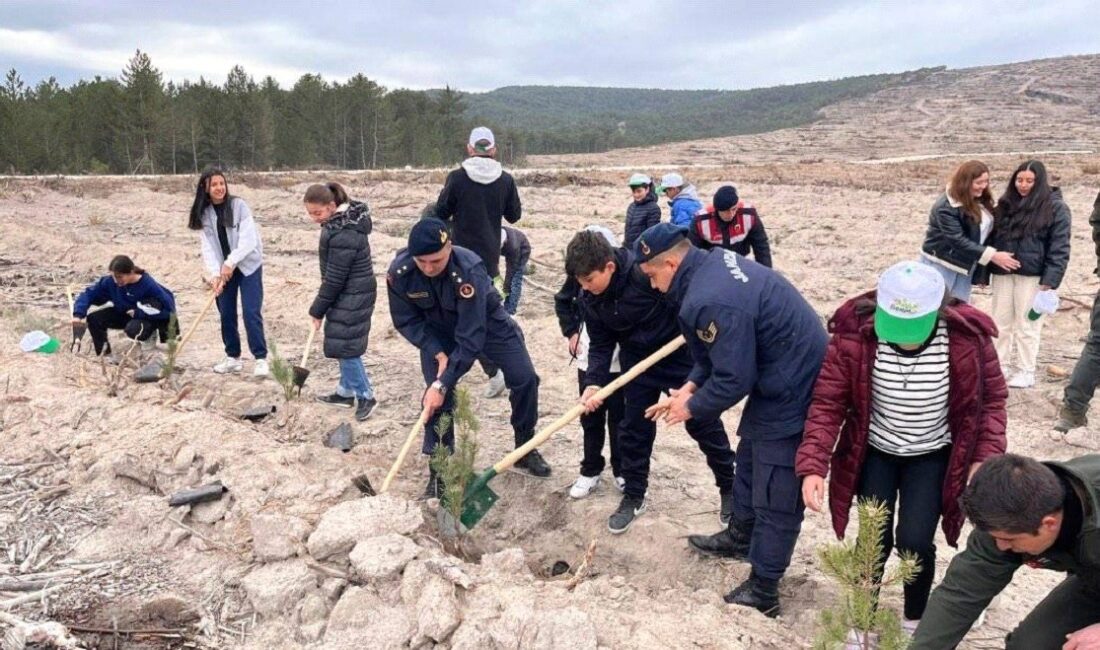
(841,406)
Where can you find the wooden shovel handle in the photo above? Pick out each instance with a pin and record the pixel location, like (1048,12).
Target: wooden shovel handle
(309,344)
(195,325)
(416,430)
(578,410)
(69,296)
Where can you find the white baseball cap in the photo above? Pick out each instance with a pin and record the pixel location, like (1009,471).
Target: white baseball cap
(482,133)
(671,180)
(639,179)
(909,298)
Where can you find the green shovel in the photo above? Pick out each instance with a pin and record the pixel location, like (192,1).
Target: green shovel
(479,497)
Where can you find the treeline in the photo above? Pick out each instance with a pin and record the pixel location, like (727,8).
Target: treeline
(137,123)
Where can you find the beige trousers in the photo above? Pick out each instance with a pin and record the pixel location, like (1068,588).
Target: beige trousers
(1012,297)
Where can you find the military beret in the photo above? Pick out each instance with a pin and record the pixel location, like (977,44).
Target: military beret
(428,236)
(658,239)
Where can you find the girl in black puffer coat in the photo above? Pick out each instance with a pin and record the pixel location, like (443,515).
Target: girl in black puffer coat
(345,300)
(1032,222)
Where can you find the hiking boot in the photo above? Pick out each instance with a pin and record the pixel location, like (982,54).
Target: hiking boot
(725,510)
(731,543)
(1069,419)
(534,464)
(496,385)
(583,486)
(434,490)
(336,399)
(1022,380)
(260,369)
(228,365)
(365,408)
(630,508)
(762,594)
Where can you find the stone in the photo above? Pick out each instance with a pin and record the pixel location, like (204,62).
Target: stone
(169,610)
(332,588)
(312,617)
(150,372)
(437,613)
(257,412)
(182,459)
(381,557)
(210,512)
(347,523)
(277,536)
(560,628)
(510,562)
(275,589)
(361,619)
(174,537)
(340,438)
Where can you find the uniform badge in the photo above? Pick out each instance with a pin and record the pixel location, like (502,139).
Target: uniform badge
(644,246)
(709,334)
(418,294)
(442,236)
(466,291)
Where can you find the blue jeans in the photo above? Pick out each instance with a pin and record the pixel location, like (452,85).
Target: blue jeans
(251,289)
(511,303)
(958,285)
(354,381)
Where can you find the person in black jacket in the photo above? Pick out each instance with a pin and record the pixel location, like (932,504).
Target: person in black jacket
(516,251)
(732,224)
(1032,222)
(621,308)
(345,299)
(1086,373)
(475,198)
(958,226)
(643,211)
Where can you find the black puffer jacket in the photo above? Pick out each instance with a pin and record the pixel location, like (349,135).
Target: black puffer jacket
(1094,221)
(639,217)
(348,288)
(952,237)
(1044,254)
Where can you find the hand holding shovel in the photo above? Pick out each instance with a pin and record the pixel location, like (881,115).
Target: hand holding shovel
(301,373)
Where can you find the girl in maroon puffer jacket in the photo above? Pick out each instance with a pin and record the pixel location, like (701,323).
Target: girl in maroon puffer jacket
(912,397)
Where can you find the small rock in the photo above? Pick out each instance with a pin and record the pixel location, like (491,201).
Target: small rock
(384,556)
(362,620)
(312,616)
(345,524)
(257,413)
(332,588)
(277,537)
(150,372)
(209,512)
(563,628)
(340,438)
(274,589)
(183,458)
(437,613)
(174,537)
(510,561)
(132,468)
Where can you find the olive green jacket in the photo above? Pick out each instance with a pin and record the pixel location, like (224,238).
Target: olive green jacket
(982,571)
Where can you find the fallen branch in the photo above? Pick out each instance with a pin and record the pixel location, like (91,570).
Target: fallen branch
(584,569)
(162,632)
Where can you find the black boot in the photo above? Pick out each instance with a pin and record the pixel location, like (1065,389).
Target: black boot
(731,542)
(534,464)
(435,486)
(762,594)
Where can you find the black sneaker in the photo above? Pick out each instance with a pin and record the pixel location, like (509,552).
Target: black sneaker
(630,508)
(435,486)
(731,543)
(534,464)
(336,399)
(365,408)
(725,511)
(762,594)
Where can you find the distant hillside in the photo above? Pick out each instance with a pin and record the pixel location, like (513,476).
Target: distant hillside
(568,119)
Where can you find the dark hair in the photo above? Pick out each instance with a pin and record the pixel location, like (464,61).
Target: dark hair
(588,251)
(123,264)
(1018,216)
(319,194)
(202,199)
(1012,494)
(428,212)
(958,188)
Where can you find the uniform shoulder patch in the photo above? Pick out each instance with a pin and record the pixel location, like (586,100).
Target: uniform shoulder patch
(709,334)
(466,290)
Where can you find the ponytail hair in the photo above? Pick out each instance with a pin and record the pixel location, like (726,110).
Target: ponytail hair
(123,264)
(319,194)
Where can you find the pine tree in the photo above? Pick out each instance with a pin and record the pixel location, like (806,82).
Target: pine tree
(457,469)
(145,102)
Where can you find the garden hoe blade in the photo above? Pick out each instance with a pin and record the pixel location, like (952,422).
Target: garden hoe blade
(301,373)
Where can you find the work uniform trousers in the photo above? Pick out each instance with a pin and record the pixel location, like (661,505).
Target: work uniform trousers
(1072,605)
(767,502)
(1086,374)
(637,434)
(507,352)
(1012,298)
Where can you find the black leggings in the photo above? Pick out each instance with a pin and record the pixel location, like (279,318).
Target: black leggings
(917,483)
(139,329)
(595,433)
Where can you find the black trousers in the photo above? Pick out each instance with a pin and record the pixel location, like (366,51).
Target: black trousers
(1072,605)
(911,486)
(139,329)
(601,424)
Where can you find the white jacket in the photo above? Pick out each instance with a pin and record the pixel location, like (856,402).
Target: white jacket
(246,251)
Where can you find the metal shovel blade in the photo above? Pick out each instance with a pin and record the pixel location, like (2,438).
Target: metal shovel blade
(78,336)
(479,498)
(300,376)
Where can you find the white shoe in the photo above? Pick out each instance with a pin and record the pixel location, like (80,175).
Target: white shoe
(496,385)
(1022,380)
(228,365)
(583,486)
(620,484)
(260,369)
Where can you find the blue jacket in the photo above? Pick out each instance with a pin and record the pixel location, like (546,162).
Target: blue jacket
(453,312)
(751,334)
(156,302)
(634,316)
(682,209)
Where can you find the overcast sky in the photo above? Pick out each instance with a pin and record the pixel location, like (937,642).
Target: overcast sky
(484,45)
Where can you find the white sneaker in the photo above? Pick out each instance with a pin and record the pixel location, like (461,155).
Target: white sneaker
(1022,380)
(228,365)
(583,486)
(260,369)
(620,484)
(496,385)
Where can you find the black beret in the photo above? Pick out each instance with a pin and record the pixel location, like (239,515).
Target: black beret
(657,240)
(428,236)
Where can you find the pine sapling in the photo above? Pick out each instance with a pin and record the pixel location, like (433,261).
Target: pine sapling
(456,470)
(173,345)
(282,372)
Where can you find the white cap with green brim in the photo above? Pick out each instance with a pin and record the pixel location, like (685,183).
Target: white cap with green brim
(638,180)
(909,298)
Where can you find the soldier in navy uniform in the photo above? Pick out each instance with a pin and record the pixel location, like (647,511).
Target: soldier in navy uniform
(442,301)
(751,335)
